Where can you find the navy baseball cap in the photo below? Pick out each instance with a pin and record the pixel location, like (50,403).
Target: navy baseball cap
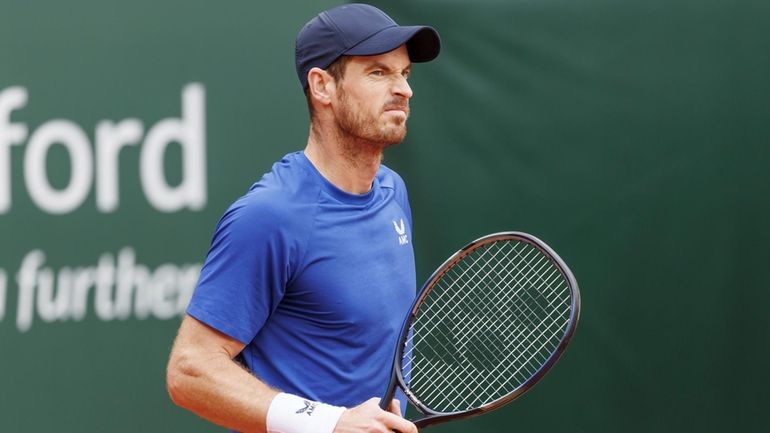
(358,30)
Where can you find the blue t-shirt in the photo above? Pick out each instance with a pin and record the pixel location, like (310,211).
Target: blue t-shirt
(315,281)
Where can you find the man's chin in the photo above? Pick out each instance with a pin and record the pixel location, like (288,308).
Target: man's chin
(392,142)
(395,136)
(387,137)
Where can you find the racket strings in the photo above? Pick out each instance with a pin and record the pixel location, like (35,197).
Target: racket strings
(457,369)
(520,311)
(438,300)
(488,325)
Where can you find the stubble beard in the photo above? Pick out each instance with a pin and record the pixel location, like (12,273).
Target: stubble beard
(360,132)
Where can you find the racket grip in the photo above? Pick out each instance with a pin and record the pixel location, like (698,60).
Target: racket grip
(389,394)
(385,403)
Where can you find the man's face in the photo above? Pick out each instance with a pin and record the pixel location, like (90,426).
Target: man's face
(372,101)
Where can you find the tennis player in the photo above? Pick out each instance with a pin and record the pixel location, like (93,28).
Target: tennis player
(294,321)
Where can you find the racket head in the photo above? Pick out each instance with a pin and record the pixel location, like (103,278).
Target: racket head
(486,326)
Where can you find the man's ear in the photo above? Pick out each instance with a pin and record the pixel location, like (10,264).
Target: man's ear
(321,85)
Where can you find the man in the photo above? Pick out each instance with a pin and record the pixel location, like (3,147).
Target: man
(295,317)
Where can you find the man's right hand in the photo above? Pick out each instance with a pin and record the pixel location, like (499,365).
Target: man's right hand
(369,418)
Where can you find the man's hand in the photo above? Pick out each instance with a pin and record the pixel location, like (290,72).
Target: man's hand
(369,418)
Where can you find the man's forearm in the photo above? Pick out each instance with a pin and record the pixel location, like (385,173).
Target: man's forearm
(203,378)
(212,385)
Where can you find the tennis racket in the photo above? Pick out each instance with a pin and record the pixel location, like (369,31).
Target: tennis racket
(485,328)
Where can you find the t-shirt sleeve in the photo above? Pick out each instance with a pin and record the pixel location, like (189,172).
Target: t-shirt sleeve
(245,272)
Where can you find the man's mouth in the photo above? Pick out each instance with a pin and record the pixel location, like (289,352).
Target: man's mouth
(401,108)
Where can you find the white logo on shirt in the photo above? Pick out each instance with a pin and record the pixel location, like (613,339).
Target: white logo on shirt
(401,231)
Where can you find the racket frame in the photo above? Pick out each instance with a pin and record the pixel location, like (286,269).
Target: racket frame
(432,417)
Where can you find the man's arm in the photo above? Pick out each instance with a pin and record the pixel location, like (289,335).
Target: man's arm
(203,378)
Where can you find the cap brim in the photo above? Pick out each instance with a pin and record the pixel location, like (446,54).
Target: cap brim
(422,43)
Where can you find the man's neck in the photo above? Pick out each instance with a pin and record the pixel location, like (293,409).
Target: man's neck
(348,164)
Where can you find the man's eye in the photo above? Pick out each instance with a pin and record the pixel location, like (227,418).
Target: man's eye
(377,73)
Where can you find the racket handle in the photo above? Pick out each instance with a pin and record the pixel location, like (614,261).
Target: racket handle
(389,393)
(385,402)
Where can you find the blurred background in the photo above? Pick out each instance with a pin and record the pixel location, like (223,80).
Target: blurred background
(633,137)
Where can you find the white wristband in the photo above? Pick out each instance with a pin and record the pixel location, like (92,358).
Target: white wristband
(289,413)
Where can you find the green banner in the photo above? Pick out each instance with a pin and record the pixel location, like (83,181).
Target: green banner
(634,138)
